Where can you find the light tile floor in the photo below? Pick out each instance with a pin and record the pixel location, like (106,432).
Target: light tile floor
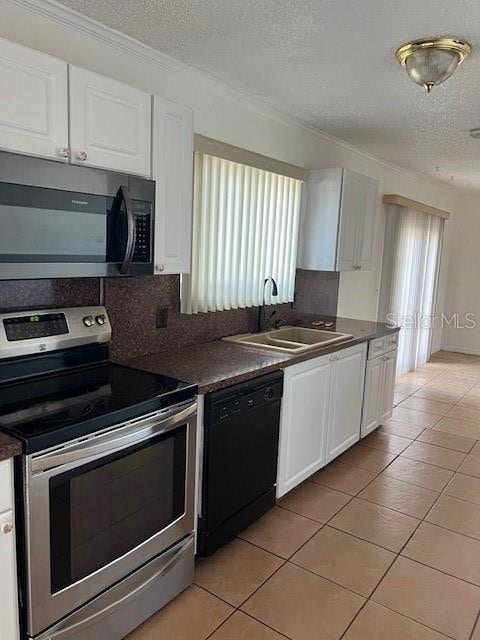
(382,544)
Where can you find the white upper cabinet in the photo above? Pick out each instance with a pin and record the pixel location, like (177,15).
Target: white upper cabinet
(338,222)
(172,163)
(34,104)
(110,123)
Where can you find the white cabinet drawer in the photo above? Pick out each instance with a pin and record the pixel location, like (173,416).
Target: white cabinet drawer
(6,485)
(391,341)
(377,347)
(380,346)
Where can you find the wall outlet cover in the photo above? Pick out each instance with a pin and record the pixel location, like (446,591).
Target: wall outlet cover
(161,317)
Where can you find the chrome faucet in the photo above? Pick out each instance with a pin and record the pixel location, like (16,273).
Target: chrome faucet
(262,319)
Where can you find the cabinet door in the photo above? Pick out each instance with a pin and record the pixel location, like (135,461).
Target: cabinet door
(388,387)
(346,399)
(34,105)
(173,173)
(351,217)
(319,220)
(9,625)
(366,226)
(110,123)
(303,422)
(6,485)
(373,393)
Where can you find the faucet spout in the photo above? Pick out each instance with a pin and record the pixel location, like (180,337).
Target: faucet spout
(262,319)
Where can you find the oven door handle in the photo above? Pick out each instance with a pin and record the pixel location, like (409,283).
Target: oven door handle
(131,230)
(65,630)
(109,443)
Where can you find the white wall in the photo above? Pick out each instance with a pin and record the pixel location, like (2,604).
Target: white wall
(220,113)
(462,277)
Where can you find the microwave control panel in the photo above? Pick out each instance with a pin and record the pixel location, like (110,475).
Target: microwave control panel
(143,225)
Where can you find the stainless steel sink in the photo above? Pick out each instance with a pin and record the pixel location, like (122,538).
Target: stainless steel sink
(289,339)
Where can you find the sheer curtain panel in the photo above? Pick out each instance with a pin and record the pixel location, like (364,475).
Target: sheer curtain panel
(245,229)
(417,242)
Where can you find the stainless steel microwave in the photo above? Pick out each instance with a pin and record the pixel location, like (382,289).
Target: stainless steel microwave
(63,221)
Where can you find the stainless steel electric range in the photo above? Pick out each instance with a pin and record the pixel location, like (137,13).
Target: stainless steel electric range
(105,487)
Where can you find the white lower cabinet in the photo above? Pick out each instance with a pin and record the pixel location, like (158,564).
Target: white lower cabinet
(373,384)
(9,626)
(388,386)
(303,424)
(379,389)
(346,399)
(321,413)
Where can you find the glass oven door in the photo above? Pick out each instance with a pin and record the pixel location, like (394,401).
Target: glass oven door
(100,508)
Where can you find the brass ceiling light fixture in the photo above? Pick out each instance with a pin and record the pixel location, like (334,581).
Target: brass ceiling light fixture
(430,61)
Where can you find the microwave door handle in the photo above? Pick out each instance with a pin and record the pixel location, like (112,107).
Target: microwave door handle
(131,230)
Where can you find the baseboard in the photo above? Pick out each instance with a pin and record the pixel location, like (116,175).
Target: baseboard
(457,349)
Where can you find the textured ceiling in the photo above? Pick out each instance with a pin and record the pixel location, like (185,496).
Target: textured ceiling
(329,63)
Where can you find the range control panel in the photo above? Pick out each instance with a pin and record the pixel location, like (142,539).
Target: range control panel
(36,331)
(35,326)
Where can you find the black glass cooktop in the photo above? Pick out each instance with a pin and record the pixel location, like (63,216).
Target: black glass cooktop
(48,410)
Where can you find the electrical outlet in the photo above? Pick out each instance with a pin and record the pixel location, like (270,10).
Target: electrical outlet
(161,318)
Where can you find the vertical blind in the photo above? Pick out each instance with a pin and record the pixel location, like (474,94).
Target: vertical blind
(418,241)
(245,229)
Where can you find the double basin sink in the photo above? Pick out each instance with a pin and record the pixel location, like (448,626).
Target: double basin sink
(289,339)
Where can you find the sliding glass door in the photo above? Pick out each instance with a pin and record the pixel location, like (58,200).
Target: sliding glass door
(409,283)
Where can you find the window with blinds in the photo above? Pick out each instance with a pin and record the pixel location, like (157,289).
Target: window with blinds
(245,229)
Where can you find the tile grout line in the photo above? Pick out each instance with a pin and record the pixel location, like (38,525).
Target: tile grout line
(441,526)
(266,625)
(221,623)
(435,465)
(475,624)
(403,513)
(441,446)
(322,525)
(397,554)
(449,495)
(424,564)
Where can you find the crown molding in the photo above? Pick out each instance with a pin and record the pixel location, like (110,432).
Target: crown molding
(76,21)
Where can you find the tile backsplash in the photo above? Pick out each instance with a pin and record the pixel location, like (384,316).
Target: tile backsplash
(39,294)
(317,291)
(132,303)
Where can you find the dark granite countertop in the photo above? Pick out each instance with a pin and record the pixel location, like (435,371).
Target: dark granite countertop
(217,364)
(9,447)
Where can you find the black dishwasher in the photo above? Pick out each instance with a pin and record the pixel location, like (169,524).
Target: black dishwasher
(239,458)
